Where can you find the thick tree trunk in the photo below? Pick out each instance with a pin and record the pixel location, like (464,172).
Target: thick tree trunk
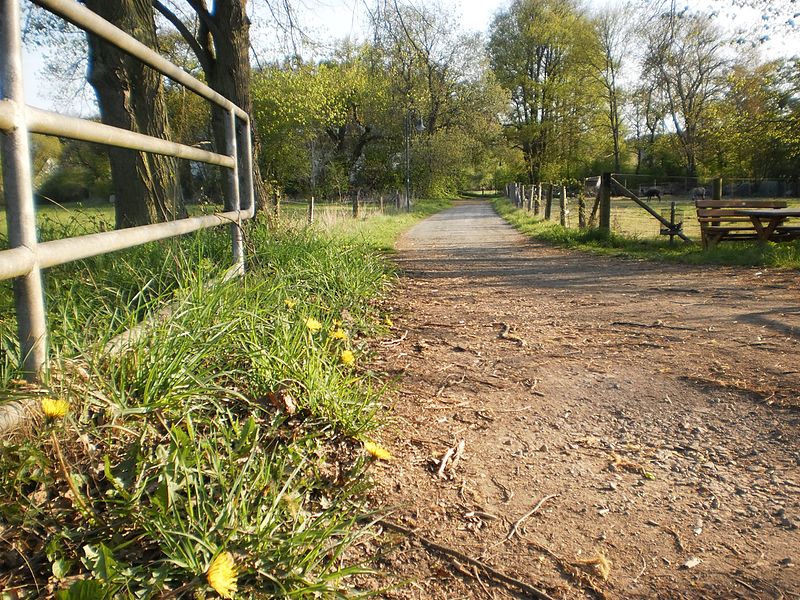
(228,72)
(131,96)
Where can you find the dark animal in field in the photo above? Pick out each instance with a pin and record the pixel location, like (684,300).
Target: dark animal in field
(699,193)
(650,193)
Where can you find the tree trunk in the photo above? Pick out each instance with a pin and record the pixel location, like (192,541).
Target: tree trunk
(228,73)
(131,96)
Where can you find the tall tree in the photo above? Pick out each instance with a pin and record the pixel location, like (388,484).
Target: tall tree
(221,42)
(438,88)
(613,38)
(540,50)
(684,57)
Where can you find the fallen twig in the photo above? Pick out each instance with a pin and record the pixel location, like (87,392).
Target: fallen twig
(448,382)
(505,334)
(396,341)
(507,492)
(657,324)
(518,523)
(678,540)
(566,567)
(497,576)
(458,454)
(452,456)
(514,530)
(444,461)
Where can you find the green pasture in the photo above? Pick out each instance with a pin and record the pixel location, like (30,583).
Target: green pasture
(632,236)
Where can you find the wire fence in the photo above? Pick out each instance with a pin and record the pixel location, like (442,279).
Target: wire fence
(671,198)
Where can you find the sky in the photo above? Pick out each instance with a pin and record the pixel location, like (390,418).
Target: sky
(337,19)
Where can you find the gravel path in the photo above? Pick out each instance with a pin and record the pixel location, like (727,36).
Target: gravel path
(650,410)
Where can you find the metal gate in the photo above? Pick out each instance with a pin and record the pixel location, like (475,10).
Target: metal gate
(26,257)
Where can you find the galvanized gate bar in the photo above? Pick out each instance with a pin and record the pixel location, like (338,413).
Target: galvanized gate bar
(84,18)
(51,123)
(59,252)
(20,211)
(237,244)
(16,262)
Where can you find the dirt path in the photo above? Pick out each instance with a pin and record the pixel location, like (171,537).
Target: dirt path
(650,410)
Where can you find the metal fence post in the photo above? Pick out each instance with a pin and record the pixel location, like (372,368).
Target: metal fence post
(237,243)
(20,210)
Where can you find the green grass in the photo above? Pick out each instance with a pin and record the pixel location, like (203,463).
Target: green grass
(56,221)
(230,426)
(783,255)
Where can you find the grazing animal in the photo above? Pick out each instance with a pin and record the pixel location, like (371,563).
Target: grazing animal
(652,192)
(699,193)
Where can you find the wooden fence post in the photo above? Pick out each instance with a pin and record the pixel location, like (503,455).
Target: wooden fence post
(605,202)
(380,200)
(548,204)
(716,192)
(356,200)
(537,201)
(563,206)
(581,211)
(672,222)
(276,208)
(311,210)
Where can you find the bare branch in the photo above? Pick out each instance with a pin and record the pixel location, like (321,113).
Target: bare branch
(200,52)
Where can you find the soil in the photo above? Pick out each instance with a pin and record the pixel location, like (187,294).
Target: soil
(649,412)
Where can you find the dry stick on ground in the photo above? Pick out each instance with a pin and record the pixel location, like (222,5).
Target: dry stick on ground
(494,574)
(505,334)
(452,456)
(395,341)
(507,492)
(445,460)
(652,325)
(448,382)
(518,523)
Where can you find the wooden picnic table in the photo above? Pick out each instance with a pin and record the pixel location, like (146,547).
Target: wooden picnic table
(768,221)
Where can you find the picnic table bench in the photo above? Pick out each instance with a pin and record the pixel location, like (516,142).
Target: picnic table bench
(735,220)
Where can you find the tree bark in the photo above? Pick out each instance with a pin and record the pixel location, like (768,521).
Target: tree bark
(131,96)
(222,46)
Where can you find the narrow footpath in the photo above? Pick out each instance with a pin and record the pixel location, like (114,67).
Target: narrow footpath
(583,426)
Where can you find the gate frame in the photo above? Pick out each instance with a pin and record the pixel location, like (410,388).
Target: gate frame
(26,256)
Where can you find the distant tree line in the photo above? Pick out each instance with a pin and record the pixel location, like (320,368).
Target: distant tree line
(644,88)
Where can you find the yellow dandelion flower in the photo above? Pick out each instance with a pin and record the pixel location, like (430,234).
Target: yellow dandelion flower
(222,575)
(290,303)
(339,334)
(54,408)
(348,358)
(337,322)
(388,322)
(377,451)
(313,325)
